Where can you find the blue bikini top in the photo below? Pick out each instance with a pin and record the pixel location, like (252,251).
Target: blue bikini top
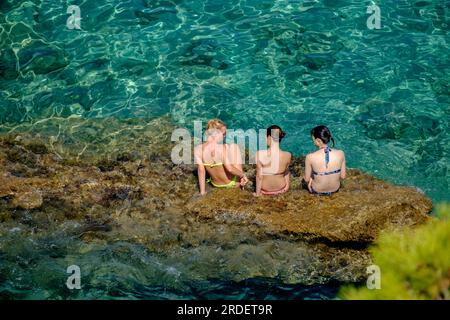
(327,151)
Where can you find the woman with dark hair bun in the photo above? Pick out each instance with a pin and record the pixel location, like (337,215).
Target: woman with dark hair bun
(272,165)
(325,167)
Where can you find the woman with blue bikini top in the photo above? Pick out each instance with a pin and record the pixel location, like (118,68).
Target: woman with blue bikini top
(325,167)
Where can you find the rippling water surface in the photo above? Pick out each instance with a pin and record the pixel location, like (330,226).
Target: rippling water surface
(384,93)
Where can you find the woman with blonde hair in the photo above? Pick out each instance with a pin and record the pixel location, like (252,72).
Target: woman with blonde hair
(222,162)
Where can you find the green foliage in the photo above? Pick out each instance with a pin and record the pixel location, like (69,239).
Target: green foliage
(414,263)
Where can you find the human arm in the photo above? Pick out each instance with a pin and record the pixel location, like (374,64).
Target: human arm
(287,174)
(232,163)
(343,167)
(308,171)
(258,176)
(201,171)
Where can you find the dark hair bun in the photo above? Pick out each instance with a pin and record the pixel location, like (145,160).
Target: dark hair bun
(275,127)
(322,133)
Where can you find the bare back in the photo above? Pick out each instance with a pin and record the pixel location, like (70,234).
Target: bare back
(274,169)
(216,157)
(325,176)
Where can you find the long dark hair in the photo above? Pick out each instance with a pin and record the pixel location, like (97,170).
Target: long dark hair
(280,135)
(322,133)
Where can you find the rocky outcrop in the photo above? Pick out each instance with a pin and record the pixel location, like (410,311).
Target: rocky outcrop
(115,179)
(363,207)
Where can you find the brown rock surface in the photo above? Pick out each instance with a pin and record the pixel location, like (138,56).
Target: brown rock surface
(105,180)
(133,165)
(363,207)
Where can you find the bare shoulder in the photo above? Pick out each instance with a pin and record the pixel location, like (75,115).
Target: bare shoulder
(198,154)
(313,154)
(198,148)
(339,152)
(287,155)
(261,153)
(232,146)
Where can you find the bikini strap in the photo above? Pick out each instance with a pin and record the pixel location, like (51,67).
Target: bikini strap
(327,151)
(325,173)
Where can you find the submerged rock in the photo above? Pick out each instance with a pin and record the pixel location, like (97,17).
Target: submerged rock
(41,58)
(28,200)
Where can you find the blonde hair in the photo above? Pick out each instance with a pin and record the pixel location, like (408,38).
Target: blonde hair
(215,124)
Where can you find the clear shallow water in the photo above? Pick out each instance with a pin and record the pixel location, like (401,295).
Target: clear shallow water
(127,271)
(234,264)
(384,93)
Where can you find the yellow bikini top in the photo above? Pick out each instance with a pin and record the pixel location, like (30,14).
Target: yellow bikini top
(212,165)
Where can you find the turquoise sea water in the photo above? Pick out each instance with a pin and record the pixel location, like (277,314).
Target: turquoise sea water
(384,93)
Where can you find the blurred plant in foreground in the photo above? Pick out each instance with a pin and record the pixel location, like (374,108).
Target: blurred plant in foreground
(414,263)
